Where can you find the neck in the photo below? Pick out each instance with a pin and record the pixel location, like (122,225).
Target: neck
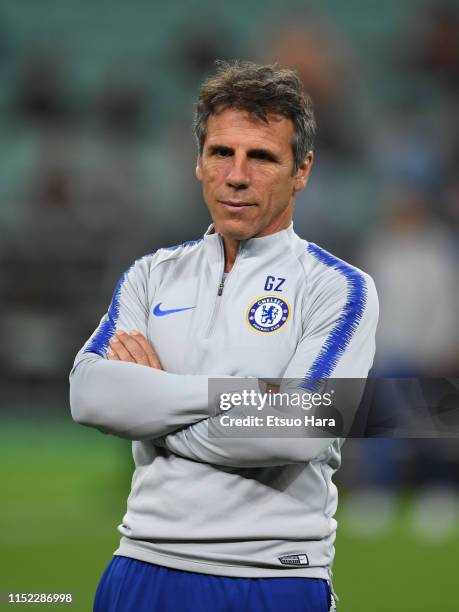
(231,247)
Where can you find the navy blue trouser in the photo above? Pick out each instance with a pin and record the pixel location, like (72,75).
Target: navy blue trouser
(128,585)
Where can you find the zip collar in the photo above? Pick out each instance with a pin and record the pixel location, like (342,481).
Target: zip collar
(252,247)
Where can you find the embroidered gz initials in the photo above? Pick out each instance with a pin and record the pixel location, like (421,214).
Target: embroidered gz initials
(273,283)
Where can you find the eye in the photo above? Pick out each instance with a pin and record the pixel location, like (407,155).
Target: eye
(262,155)
(221,152)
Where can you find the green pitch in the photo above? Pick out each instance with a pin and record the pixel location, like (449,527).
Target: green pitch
(64,491)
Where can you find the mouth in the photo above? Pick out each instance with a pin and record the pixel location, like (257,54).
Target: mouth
(235,204)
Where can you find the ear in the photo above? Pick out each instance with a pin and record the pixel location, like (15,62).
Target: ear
(302,174)
(199,169)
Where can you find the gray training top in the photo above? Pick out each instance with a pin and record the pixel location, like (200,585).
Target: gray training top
(251,507)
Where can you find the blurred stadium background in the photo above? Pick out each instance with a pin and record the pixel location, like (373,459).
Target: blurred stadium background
(97,169)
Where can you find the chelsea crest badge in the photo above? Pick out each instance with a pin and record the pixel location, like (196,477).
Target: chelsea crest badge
(268,314)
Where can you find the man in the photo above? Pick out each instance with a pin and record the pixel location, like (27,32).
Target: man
(223,522)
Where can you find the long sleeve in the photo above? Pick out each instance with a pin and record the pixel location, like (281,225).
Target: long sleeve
(130,400)
(338,342)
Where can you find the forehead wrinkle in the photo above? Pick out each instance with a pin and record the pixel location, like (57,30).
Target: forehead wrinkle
(249,121)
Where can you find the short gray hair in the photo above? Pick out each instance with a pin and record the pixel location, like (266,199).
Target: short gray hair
(259,90)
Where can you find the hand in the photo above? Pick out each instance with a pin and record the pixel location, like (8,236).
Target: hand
(134,348)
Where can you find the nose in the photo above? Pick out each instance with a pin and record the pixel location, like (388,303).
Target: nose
(237,176)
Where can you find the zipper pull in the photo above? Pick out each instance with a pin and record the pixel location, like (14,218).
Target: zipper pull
(220,287)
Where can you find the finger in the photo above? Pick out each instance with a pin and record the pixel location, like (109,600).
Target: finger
(148,348)
(133,347)
(112,355)
(122,352)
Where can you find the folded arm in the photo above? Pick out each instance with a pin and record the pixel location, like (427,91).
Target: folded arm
(126,394)
(338,342)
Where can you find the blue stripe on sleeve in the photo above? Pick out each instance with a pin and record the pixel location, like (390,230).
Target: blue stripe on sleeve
(339,337)
(99,342)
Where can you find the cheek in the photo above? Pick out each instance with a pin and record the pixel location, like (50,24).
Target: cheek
(279,190)
(212,176)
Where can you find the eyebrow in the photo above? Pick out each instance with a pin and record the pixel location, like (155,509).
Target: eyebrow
(257,153)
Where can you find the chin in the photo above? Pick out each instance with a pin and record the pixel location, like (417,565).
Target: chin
(235,230)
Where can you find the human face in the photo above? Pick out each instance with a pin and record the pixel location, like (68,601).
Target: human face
(246,170)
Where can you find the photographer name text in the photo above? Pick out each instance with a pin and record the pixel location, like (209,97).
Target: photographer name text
(275,421)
